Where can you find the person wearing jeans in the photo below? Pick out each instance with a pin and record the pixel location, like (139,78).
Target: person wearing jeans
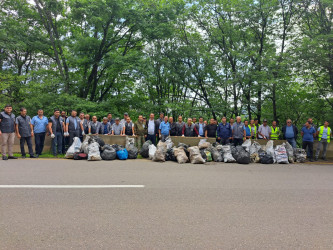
(24,131)
(39,123)
(56,128)
(290,132)
(7,132)
(308,133)
(324,134)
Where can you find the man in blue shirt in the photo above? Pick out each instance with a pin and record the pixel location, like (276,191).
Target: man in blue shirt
(224,132)
(248,132)
(201,127)
(39,123)
(290,132)
(164,129)
(308,133)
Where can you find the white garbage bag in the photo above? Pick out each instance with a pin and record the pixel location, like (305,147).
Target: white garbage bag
(180,155)
(74,148)
(93,152)
(195,155)
(227,155)
(85,143)
(246,145)
(281,155)
(152,150)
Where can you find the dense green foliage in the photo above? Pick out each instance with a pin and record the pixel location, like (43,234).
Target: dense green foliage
(265,58)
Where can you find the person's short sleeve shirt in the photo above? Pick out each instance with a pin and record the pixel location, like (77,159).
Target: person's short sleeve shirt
(308,134)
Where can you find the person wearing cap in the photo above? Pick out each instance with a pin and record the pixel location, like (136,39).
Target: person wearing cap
(164,129)
(264,131)
(122,121)
(238,132)
(24,131)
(105,127)
(117,127)
(289,132)
(128,127)
(95,126)
(56,128)
(324,135)
(275,131)
(140,131)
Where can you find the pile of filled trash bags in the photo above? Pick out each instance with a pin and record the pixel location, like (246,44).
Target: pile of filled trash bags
(248,152)
(93,148)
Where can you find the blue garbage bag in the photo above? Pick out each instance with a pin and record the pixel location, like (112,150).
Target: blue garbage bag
(122,154)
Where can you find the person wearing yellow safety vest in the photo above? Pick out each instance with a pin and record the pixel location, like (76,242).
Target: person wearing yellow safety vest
(324,134)
(275,131)
(253,129)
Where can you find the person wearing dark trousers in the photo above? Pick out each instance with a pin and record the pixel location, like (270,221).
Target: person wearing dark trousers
(40,125)
(151,126)
(24,132)
(56,128)
(238,132)
(289,132)
(173,127)
(308,133)
(224,132)
(73,125)
(65,139)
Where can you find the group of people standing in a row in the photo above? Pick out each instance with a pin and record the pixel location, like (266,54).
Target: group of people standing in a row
(63,129)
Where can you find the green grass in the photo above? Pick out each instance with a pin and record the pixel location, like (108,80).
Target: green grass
(44,155)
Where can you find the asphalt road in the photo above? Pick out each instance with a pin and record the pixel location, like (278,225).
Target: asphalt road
(214,206)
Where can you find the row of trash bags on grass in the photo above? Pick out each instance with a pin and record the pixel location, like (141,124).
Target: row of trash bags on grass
(93,148)
(247,153)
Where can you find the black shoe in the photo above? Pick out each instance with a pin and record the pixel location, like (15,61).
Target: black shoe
(5,158)
(12,157)
(324,159)
(37,155)
(316,159)
(23,156)
(311,160)
(33,156)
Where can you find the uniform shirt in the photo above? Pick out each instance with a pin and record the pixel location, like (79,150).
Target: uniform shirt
(224,130)
(39,124)
(165,128)
(265,130)
(238,130)
(117,128)
(308,134)
(23,123)
(75,122)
